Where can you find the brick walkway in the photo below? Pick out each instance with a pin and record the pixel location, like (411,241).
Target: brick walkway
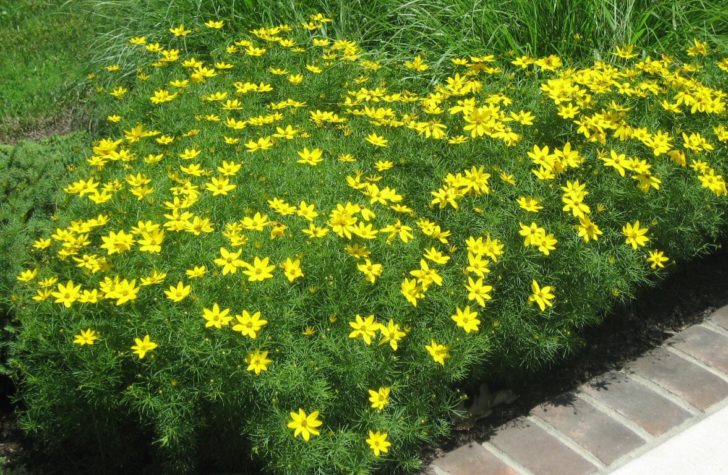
(612,418)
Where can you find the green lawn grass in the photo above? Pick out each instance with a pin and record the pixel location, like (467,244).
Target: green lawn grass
(45,48)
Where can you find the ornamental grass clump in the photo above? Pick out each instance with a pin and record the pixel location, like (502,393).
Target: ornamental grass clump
(282,249)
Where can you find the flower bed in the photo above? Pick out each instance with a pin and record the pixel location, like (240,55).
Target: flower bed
(300,249)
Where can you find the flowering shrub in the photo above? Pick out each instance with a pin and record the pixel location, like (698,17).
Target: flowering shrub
(298,250)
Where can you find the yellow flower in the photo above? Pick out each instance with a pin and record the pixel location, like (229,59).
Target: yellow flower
(391,334)
(310,157)
(377,140)
(49,282)
(292,269)
(532,234)
(379,398)
(657,259)
(215,317)
(116,243)
(547,244)
(531,205)
(635,236)
(426,276)
(189,153)
(314,231)
(219,186)
(124,291)
(256,223)
(257,361)
(364,328)
(196,272)
(306,211)
(625,52)
(119,92)
(378,443)
(180,31)
(304,425)
(437,351)
(156,278)
(41,295)
(543,296)
(42,244)
(89,296)
(161,96)
(142,347)
(229,168)
(588,230)
(67,294)
(179,292)
(259,270)
(28,275)
(263,143)
(229,261)
(383,165)
(249,324)
(478,291)
(370,270)
(398,230)
(278,230)
(436,256)
(151,241)
(86,337)
(698,48)
(412,291)
(199,226)
(466,319)
(213,24)
(417,64)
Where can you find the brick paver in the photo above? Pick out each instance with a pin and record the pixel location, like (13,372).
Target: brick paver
(611,416)
(538,451)
(473,459)
(636,402)
(720,317)
(703,344)
(593,430)
(688,381)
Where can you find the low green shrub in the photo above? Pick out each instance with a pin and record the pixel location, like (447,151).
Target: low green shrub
(287,252)
(30,173)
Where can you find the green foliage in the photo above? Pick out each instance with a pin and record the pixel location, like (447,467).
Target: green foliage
(197,386)
(29,177)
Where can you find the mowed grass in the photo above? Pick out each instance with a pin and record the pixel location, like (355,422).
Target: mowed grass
(46,44)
